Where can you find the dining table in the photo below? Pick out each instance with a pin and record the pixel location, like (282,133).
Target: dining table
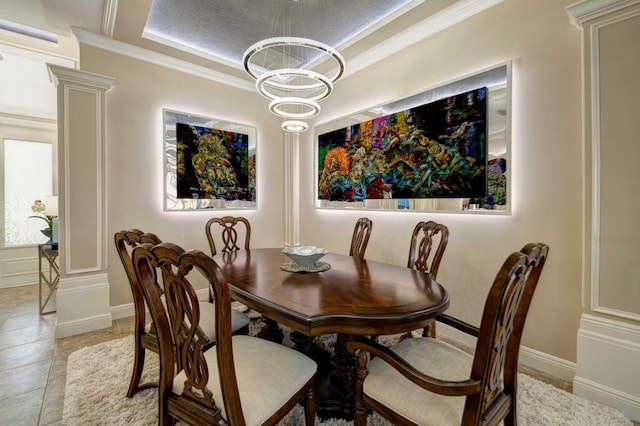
(351,296)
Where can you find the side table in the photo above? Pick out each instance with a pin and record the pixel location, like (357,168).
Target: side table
(49,273)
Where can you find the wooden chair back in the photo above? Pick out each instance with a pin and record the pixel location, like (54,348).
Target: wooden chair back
(360,238)
(125,242)
(495,361)
(428,242)
(491,387)
(179,325)
(230,236)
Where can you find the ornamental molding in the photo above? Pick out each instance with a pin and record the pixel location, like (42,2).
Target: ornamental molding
(586,10)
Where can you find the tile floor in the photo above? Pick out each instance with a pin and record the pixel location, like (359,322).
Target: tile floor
(33,364)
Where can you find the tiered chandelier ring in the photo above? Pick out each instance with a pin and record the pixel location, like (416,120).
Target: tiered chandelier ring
(270,81)
(294,92)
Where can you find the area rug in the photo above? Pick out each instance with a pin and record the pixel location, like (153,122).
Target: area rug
(98,377)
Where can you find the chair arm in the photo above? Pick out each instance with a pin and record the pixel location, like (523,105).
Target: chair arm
(432,384)
(458,324)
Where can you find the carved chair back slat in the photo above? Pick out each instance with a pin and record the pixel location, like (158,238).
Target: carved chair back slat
(360,238)
(428,243)
(229,235)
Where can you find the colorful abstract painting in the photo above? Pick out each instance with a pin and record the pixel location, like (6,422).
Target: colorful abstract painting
(436,150)
(213,164)
(496,185)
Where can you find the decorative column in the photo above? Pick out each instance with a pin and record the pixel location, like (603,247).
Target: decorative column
(83,293)
(292,188)
(608,341)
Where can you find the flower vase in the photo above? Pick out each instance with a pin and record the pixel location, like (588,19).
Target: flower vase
(47,233)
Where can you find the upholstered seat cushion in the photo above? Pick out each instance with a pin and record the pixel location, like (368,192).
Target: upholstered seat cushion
(268,375)
(208,320)
(433,357)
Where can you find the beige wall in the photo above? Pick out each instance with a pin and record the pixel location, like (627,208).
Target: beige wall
(546,157)
(135,154)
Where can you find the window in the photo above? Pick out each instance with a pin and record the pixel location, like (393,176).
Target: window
(28,176)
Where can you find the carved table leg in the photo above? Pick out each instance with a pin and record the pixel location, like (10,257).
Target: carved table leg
(343,378)
(336,385)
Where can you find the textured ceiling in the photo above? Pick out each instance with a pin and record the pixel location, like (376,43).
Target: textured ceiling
(224,29)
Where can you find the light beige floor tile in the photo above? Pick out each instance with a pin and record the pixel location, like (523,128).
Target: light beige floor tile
(22,409)
(26,335)
(126,326)
(24,379)
(58,366)
(29,353)
(53,403)
(27,320)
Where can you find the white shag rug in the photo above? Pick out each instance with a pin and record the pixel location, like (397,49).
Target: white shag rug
(98,378)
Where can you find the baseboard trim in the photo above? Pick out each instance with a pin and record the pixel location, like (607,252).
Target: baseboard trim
(122,311)
(83,304)
(84,325)
(608,368)
(549,364)
(626,403)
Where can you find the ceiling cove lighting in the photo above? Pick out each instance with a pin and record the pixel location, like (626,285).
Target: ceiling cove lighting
(282,66)
(28,31)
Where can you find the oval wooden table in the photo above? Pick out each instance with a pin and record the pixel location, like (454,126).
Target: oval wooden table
(354,297)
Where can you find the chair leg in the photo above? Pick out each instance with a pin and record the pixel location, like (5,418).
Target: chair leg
(360,408)
(511,417)
(310,406)
(164,419)
(138,365)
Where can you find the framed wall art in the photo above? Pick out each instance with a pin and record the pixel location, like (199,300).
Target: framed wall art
(435,150)
(444,149)
(209,163)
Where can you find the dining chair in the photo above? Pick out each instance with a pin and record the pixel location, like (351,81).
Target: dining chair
(242,380)
(229,235)
(427,381)
(144,330)
(360,237)
(428,243)
(231,239)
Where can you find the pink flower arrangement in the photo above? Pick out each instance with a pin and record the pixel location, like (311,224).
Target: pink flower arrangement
(38,207)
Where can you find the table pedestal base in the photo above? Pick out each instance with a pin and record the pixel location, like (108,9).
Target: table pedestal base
(335,379)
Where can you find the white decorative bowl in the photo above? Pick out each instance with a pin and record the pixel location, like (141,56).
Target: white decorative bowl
(305,255)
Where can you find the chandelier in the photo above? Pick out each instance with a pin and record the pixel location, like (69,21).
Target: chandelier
(287,72)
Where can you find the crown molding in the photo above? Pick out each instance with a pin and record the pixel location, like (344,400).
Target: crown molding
(57,72)
(28,121)
(586,10)
(102,42)
(440,21)
(109,17)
